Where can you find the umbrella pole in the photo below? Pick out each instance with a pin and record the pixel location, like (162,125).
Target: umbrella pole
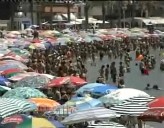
(140,124)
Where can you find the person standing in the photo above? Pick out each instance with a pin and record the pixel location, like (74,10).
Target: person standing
(113,72)
(121,69)
(35,34)
(102,71)
(107,72)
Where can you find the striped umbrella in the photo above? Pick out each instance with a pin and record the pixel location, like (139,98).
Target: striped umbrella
(106,125)
(9,106)
(130,109)
(21,76)
(4,88)
(120,95)
(139,100)
(90,114)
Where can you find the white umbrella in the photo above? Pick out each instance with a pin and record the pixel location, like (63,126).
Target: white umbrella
(48,75)
(90,114)
(4,88)
(139,100)
(106,125)
(132,109)
(120,95)
(15,32)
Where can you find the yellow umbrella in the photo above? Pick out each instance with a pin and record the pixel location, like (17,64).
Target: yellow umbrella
(41,123)
(32,47)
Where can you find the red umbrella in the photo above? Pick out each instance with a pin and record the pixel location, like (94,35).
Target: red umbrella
(156,103)
(12,70)
(65,80)
(156,111)
(36,41)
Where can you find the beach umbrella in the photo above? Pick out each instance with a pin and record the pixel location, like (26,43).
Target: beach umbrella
(20,52)
(21,76)
(36,40)
(155,111)
(98,89)
(96,113)
(48,76)
(120,95)
(106,125)
(37,46)
(67,30)
(88,39)
(41,123)
(83,103)
(4,88)
(56,123)
(10,64)
(4,81)
(66,80)
(13,56)
(24,93)
(16,121)
(61,111)
(11,72)
(131,109)
(24,121)
(10,106)
(96,38)
(38,81)
(153,114)
(139,100)
(157,103)
(44,104)
(15,32)
(88,86)
(104,89)
(63,40)
(4,51)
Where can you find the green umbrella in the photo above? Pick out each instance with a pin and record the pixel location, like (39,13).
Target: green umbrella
(24,93)
(33,81)
(4,88)
(12,74)
(20,52)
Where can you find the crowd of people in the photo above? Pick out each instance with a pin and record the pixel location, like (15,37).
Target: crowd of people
(70,60)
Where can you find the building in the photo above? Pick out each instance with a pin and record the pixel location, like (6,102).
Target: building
(35,12)
(114,10)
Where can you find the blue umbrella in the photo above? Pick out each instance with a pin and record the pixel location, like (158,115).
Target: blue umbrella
(3,81)
(83,103)
(76,104)
(101,90)
(48,44)
(90,104)
(57,123)
(88,87)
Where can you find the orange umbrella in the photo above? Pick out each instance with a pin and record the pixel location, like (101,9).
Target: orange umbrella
(140,57)
(44,104)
